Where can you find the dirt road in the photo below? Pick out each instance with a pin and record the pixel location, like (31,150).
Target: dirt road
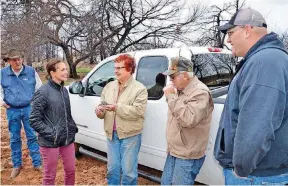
(88,171)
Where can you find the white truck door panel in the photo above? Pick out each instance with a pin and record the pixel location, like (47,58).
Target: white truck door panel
(91,128)
(153,148)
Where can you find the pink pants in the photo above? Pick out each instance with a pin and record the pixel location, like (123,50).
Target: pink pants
(50,159)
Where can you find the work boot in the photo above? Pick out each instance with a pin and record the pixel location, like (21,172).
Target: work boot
(15,172)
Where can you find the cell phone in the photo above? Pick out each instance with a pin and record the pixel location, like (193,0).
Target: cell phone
(104,103)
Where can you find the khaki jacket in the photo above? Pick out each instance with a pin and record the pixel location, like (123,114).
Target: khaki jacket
(189,117)
(131,106)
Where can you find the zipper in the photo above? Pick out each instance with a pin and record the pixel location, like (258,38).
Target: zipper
(55,140)
(65,112)
(119,93)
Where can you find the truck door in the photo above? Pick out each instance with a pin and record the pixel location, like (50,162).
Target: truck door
(83,107)
(149,73)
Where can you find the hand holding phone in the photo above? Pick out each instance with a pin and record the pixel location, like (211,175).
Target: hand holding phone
(100,109)
(111,107)
(103,103)
(108,107)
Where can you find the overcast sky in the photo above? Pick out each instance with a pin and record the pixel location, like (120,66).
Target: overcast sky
(274,11)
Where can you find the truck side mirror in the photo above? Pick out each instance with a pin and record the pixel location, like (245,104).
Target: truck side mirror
(76,87)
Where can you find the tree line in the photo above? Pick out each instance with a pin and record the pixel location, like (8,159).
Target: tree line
(95,29)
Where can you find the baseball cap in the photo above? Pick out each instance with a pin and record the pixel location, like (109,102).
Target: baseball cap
(179,64)
(246,16)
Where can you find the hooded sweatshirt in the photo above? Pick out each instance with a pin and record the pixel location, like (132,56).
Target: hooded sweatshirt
(253,132)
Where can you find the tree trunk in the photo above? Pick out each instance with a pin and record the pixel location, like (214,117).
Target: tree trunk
(28,59)
(91,61)
(72,66)
(73,72)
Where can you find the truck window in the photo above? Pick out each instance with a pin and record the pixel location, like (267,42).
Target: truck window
(214,69)
(100,78)
(149,73)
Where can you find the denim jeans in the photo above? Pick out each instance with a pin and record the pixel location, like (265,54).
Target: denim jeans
(123,158)
(232,179)
(179,171)
(50,161)
(17,116)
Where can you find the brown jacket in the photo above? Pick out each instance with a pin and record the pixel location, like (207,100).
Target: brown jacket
(131,106)
(189,116)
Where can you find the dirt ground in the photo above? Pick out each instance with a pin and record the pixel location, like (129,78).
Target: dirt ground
(88,170)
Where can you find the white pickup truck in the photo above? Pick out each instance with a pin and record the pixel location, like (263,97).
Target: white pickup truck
(213,66)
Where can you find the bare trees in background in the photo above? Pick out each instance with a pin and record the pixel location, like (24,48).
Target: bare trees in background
(143,20)
(95,29)
(69,27)
(216,16)
(143,24)
(17,29)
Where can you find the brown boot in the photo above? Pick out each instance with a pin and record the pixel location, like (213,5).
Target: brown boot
(15,172)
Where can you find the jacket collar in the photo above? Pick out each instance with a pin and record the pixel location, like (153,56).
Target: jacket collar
(268,41)
(54,84)
(128,82)
(191,86)
(116,89)
(12,73)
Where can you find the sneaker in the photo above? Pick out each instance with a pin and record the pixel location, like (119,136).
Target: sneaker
(15,172)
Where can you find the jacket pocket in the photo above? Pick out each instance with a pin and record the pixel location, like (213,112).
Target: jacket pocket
(177,140)
(183,138)
(56,136)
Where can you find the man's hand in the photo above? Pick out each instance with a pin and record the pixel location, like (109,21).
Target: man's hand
(111,107)
(5,105)
(99,110)
(169,90)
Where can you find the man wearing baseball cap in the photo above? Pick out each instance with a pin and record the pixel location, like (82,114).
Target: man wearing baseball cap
(190,109)
(18,84)
(252,142)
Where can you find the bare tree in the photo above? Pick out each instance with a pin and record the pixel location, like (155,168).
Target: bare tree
(17,27)
(100,28)
(141,20)
(211,36)
(66,26)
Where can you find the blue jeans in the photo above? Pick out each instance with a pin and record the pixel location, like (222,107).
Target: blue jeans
(179,171)
(17,116)
(123,158)
(232,179)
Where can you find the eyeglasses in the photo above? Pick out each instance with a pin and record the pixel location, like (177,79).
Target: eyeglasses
(118,68)
(173,76)
(232,31)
